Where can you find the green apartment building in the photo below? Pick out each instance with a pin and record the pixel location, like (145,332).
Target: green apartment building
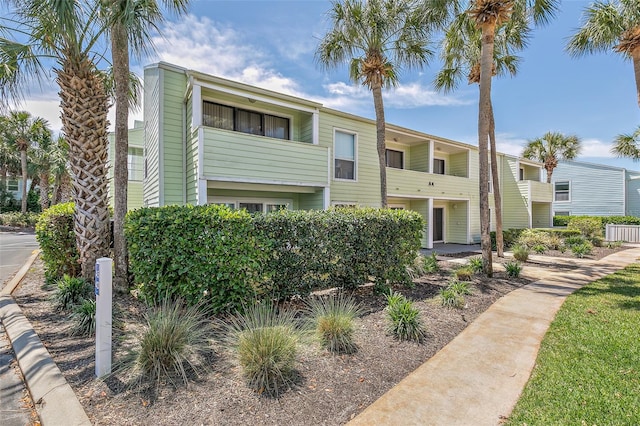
(211,140)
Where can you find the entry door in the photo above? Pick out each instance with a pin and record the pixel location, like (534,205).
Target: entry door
(438,234)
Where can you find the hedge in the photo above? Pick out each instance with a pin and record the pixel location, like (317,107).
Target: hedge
(202,254)
(223,258)
(54,232)
(312,250)
(615,220)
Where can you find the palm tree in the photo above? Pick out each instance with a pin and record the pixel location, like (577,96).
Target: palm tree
(489,15)
(610,25)
(61,192)
(627,145)
(461,49)
(66,33)
(129,24)
(376,38)
(22,131)
(550,148)
(42,158)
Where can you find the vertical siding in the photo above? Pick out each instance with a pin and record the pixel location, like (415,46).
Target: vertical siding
(419,158)
(173,87)
(151,185)
(595,189)
(365,191)
(458,164)
(633,193)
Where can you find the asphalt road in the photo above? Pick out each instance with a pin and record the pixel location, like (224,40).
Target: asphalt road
(15,249)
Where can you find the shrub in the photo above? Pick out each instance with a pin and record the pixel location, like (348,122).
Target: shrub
(589,227)
(509,237)
(597,241)
(404,319)
(614,244)
(176,339)
(460,287)
(531,238)
(205,255)
(265,345)
(561,220)
(423,265)
(84,318)
(54,232)
(71,291)
(575,240)
(475,263)
(463,273)
(450,298)
(513,269)
(582,250)
(431,263)
(332,318)
(539,248)
(19,220)
(521,253)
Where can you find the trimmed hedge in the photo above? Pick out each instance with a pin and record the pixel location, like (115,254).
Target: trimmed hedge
(224,258)
(19,220)
(54,232)
(201,254)
(313,250)
(615,220)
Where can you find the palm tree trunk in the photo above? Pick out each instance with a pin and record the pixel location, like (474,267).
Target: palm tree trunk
(635,55)
(120,55)
(84,104)
(380,142)
(484,122)
(497,197)
(44,190)
(23,164)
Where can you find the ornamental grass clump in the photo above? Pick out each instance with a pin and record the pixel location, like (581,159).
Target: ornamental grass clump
(84,318)
(452,296)
(582,250)
(264,341)
(520,253)
(71,291)
(513,269)
(463,273)
(333,318)
(175,343)
(475,263)
(404,319)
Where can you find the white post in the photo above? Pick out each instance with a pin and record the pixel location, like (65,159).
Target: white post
(103,288)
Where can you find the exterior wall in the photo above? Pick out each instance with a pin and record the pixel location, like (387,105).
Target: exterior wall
(595,190)
(632,207)
(457,215)
(419,158)
(152,187)
(365,189)
(134,187)
(515,209)
(173,131)
(541,215)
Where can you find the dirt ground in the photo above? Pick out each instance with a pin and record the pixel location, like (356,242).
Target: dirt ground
(330,389)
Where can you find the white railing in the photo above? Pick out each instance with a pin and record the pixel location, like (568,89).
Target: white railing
(626,233)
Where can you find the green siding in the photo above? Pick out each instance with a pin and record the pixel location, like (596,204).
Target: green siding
(364,191)
(241,156)
(313,201)
(457,222)
(419,184)
(419,158)
(515,210)
(152,185)
(173,85)
(258,195)
(541,215)
(134,195)
(458,164)
(421,207)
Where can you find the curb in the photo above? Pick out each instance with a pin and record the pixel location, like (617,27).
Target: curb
(54,399)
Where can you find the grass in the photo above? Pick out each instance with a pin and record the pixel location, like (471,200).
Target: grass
(333,321)
(404,319)
(71,292)
(513,269)
(84,318)
(588,368)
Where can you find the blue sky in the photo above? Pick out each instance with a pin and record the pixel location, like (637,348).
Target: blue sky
(271,44)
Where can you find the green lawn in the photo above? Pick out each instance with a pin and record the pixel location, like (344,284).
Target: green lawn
(588,368)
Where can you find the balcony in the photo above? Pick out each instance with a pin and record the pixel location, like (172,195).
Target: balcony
(413,184)
(241,157)
(536,192)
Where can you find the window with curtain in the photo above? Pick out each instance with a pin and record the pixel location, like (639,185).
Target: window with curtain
(344,155)
(245,121)
(395,158)
(561,191)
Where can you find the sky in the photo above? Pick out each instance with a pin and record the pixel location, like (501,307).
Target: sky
(271,44)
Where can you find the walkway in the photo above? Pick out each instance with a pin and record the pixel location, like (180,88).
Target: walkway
(478,377)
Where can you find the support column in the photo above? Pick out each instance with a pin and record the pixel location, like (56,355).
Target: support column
(430,224)
(430,163)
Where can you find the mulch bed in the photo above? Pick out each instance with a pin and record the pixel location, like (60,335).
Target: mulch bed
(330,389)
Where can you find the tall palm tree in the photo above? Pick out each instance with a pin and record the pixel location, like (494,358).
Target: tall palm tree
(376,38)
(551,148)
(460,53)
(610,25)
(22,131)
(42,158)
(129,23)
(489,15)
(61,192)
(66,33)
(627,145)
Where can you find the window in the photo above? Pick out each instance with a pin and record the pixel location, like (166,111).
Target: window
(245,121)
(438,166)
(395,159)
(561,191)
(562,213)
(252,207)
(13,185)
(135,164)
(490,180)
(345,155)
(521,173)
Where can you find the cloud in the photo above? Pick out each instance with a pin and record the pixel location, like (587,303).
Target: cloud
(510,144)
(595,148)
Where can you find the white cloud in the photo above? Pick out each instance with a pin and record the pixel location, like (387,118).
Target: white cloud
(509,144)
(415,95)
(595,148)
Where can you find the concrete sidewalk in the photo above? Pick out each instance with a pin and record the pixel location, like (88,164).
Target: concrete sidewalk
(478,377)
